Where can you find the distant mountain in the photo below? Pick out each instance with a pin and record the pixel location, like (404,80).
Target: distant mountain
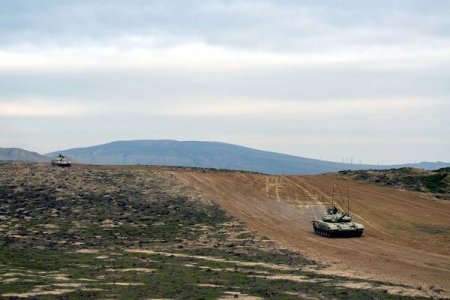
(208,155)
(11,154)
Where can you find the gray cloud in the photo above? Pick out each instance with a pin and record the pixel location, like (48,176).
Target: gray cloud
(277,83)
(327,79)
(270,25)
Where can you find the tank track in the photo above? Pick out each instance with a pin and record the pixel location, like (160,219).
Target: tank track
(331,234)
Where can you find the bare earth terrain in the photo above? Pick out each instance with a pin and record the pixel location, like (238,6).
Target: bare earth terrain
(140,232)
(406,239)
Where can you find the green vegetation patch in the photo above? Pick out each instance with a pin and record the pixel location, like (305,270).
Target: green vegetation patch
(432,230)
(435,182)
(127,210)
(139,276)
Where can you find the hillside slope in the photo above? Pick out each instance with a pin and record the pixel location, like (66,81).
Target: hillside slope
(206,155)
(406,235)
(135,232)
(12,154)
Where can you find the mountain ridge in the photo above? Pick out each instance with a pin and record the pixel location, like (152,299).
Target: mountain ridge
(213,155)
(18,154)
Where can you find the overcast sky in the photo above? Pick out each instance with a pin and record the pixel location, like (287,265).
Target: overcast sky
(368,80)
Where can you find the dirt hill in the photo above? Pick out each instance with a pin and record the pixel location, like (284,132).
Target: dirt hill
(91,232)
(406,238)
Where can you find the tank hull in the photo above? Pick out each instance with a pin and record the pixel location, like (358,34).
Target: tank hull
(63,165)
(61,161)
(350,229)
(338,234)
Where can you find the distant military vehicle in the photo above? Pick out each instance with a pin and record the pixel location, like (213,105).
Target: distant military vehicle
(61,161)
(337,224)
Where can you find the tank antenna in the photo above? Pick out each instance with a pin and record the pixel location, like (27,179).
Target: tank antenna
(332,196)
(348,202)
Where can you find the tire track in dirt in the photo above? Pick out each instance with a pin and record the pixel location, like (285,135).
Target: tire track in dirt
(406,238)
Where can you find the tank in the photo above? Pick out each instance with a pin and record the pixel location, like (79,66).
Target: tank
(61,161)
(337,224)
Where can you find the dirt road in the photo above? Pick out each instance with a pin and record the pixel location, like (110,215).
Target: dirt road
(407,236)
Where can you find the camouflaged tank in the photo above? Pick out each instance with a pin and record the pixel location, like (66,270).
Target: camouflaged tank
(61,161)
(337,224)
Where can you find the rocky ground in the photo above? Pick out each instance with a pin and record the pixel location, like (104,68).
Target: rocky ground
(132,232)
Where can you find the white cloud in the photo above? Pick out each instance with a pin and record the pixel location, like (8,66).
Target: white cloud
(300,108)
(201,55)
(40,108)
